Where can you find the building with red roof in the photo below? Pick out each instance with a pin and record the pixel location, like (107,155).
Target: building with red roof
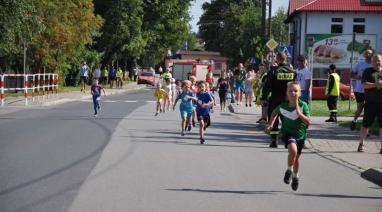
(323,30)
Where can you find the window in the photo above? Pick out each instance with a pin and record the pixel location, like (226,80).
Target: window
(359,25)
(337,25)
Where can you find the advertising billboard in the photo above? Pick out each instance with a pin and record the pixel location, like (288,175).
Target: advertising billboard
(326,49)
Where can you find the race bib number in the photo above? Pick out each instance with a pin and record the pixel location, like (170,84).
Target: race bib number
(285,76)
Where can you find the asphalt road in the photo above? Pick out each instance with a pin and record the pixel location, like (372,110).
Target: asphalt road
(62,159)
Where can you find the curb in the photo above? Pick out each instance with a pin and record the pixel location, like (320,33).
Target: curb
(373,175)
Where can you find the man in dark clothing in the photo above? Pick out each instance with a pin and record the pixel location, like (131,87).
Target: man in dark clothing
(332,91)
(372,83)
(275,90)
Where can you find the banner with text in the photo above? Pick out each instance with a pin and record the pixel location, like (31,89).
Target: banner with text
(336,49)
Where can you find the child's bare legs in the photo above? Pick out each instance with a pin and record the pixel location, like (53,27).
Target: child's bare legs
(293,157)
(158,107)
(183,124)
(201,131)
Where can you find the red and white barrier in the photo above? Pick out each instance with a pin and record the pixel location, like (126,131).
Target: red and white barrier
(31,82)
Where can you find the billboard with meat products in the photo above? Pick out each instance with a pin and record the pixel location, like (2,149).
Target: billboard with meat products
(337,48)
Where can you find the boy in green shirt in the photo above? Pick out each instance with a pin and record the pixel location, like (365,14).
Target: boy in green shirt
(296,119)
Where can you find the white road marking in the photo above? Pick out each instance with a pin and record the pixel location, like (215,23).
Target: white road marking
(130,101)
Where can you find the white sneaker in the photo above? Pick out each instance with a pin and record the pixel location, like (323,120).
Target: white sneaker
(95,115)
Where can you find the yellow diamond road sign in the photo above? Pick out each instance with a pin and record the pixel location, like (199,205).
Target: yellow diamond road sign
(271,44)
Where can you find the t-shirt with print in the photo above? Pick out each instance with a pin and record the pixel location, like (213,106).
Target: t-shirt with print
(301,76)
(203,98)
(186,104)
(359,69)
(372,94)
(223,85)
(292,124)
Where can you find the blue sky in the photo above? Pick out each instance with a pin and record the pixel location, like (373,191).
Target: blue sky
(196,10)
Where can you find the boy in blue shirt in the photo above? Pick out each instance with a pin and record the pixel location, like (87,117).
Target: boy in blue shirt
(186,106)
(203,108)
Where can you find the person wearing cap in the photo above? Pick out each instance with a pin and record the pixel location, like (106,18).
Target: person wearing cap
(332,92)
(304,78)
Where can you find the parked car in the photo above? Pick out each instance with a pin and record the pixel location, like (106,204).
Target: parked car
(318,90)
(147,77)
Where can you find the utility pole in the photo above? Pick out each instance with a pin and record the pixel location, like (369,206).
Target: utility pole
(263,18)
(270,19)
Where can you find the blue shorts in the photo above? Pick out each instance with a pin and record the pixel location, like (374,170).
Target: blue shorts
(186,113)
(240,87)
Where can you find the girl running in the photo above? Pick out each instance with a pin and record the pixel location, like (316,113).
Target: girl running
(203,107)
(95,90)
(186,106)
(293,129)
(249,89)
(160,94)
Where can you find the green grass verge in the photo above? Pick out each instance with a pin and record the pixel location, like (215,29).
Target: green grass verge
(319,108)
(374,129)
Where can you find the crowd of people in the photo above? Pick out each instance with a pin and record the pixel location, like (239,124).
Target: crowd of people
(282,92)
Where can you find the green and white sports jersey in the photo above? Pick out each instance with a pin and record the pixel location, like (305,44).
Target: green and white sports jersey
(292,124)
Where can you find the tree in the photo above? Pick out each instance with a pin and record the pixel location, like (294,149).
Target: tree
(280,32)
(232,28)
(166,26)
(18,26)
(121,36)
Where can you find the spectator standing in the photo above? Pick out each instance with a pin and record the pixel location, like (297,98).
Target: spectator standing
(372,83)
(112,76)
(104,74)
(119,78)
(359,92)
(97,73)
(84,74)
(332,92)
(304,78)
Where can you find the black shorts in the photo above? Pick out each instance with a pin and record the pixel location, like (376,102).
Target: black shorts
(359,97)
(206,119)
(372,110)
(289,139)
(223,96)
(83,79)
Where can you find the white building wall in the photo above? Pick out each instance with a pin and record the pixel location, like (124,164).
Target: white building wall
(320,23)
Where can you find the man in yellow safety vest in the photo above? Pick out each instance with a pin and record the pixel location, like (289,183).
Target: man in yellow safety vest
(332,92)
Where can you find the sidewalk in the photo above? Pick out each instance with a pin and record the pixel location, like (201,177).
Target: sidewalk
(64,97)
(335,143)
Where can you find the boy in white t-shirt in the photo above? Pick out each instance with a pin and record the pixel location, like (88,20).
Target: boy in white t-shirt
(304,78)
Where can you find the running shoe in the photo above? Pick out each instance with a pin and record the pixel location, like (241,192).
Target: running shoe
(360,148)
(246,105)
(182,133)
(156,114)
(380,152)
(201,140)
(352,126)
(189,128)
(295,183)
(287,176)
(95,115)
(193,123)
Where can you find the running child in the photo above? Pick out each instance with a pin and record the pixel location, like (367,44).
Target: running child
(95,90)
(160,94)
(293,130)
(203,107)
(223,86)
(186,106)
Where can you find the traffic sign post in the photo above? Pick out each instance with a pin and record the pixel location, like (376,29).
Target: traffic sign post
(271,44)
